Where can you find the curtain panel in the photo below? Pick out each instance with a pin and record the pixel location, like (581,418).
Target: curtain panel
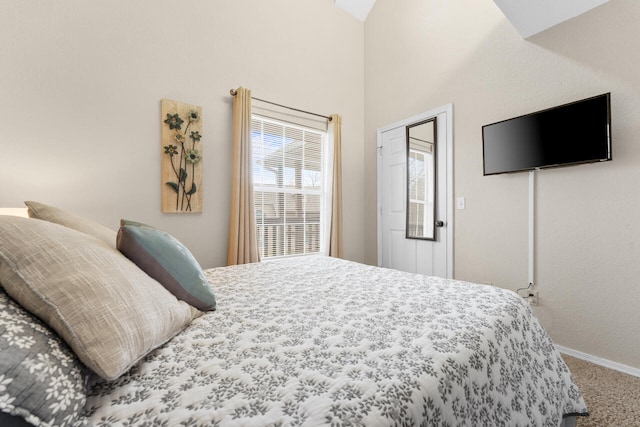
(243,238)
(335,226)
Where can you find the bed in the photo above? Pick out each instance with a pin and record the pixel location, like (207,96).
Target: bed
(303,341)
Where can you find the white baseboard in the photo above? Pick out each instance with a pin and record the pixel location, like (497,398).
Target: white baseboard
(600,361)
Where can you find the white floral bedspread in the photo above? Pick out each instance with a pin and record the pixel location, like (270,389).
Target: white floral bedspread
(321,341)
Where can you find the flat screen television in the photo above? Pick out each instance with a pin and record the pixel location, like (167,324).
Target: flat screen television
(570,134)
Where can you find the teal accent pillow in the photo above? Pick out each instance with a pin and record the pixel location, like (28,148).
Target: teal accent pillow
(164,258)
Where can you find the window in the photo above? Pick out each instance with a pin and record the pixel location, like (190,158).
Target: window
(289,187)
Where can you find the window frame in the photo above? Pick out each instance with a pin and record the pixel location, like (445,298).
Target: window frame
(283,246)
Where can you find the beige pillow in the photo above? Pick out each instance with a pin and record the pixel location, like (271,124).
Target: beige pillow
(108,310)
(58,216)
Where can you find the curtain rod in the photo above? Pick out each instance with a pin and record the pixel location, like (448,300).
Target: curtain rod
(234,92)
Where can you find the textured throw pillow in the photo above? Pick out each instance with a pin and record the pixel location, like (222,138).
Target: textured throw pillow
(41,380)
(107,310)
(168,261)
(58,216)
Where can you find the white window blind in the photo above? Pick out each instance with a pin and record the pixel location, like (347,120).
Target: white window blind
(289,179)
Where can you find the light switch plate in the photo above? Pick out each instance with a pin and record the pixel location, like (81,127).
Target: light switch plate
(460,203)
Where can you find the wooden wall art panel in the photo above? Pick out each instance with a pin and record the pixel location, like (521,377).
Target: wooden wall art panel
(181,157)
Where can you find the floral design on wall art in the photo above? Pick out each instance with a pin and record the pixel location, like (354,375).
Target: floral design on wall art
(181,157)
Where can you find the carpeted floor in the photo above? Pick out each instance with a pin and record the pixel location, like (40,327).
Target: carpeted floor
(613,398)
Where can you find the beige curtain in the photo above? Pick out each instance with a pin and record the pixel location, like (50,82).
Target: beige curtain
(243,239)
(335,233)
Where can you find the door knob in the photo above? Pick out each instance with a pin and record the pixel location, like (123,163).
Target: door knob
(439,223)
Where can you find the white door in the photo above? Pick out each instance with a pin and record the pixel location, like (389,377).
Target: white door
(434,258)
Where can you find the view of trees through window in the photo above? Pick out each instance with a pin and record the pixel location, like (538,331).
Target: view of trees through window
(288,176)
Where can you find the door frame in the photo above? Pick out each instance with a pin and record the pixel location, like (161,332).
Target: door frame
(448,112)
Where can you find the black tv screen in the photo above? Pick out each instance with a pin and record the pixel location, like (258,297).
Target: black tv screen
(575,133)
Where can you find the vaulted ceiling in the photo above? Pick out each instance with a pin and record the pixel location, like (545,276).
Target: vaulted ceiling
(529,17)
(358,8)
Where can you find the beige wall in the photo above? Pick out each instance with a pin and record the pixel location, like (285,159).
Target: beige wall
(80,107)
(427,53)
(81,84)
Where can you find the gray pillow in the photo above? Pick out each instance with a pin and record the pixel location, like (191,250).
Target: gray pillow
(107,310)
(52,214)
(41,380)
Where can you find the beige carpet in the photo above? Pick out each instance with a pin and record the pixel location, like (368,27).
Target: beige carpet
(613,398)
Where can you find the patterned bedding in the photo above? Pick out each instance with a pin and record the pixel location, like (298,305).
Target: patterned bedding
(322,341)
